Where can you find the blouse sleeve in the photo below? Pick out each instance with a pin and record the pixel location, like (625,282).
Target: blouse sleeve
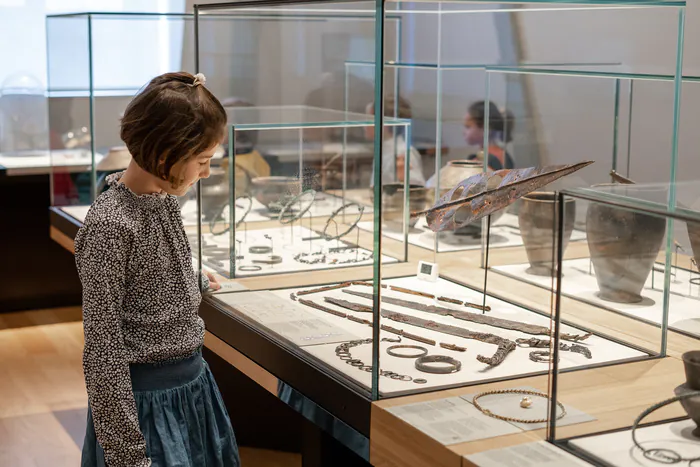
(101,254)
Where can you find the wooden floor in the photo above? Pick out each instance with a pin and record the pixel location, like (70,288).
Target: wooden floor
(43,403)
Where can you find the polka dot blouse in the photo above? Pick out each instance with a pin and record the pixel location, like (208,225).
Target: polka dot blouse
(140,304)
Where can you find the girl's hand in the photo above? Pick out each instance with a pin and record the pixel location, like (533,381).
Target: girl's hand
(213,281)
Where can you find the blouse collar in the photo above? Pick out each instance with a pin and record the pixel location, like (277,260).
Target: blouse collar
(151,200)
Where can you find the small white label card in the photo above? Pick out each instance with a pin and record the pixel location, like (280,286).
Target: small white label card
(508,405)
(451,420)
(538,454)
(286,318)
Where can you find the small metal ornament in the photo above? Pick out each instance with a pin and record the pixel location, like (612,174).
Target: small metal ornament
(526,402)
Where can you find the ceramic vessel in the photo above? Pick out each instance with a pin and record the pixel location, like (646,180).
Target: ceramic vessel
(691,362)
(624,246)
(538,221)
(274,192)
(393,202)
(694,236)
(450,176)
(215,192)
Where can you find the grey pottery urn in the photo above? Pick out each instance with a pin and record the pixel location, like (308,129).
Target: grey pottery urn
(538,222)
(624,246)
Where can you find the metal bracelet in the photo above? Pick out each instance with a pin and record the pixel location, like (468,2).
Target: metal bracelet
(272,259)
(662,455)
(249,268)
(327,237)
(260,249)
(540,356)
(422,351)
(422,364)
(220,213)
(291,202)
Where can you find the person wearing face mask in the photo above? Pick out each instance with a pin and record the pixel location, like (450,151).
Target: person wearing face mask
(501,126)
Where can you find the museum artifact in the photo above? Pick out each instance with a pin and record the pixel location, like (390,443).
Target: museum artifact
(421,351)
(393,211)
(342,351)
(243,203)
(473,317)
(275,191)
(449,177)
(303,200)
(538,222)
(624,246)
(505,346)
(482,194)
(215,194)
(523,392)
(535,342)
(447,365)
(691,363)
(335,235)
(664,455)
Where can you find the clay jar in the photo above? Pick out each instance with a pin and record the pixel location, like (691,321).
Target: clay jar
(691,361)
(624,246)
(538,221)
(393,202)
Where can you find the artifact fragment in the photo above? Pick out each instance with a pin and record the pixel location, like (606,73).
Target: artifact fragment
(691,362)
(482,194)
(349,305)
(505,346)
(538,220)
(624,246)
(473,317)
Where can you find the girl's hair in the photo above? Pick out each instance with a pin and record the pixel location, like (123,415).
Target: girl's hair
(391,103)
(398,104)
(170,120)
(503,122)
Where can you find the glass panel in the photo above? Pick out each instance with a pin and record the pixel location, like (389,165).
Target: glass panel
(298,82)
(90,84)
(637,283)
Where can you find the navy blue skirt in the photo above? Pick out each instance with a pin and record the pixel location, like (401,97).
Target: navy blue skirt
(181,414)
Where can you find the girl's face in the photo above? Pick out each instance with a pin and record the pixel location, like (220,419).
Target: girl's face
(190,171)
(473,135)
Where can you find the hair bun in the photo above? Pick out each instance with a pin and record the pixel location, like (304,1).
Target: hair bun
(199,78)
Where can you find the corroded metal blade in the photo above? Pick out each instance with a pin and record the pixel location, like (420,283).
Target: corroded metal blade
(482,194)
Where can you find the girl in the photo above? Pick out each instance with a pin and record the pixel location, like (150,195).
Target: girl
(500,134)
(394,146)
(153,400)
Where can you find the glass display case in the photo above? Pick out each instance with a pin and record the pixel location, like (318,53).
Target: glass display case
(638,283)
(348,289)
(97,62)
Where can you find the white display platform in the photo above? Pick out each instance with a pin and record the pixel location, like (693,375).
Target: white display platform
(78,212)
(504,233)
(286,242)
(617,448)
(323,206)
(538,454)
(517,363)
(580,284)
(67,160)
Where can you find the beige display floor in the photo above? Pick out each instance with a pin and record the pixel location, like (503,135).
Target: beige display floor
(516,363)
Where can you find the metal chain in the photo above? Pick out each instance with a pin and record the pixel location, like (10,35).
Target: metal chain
(342,351)
(524,392)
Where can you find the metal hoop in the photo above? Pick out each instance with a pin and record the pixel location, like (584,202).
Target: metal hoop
(361,210)
(291,202)
(421,351)
(250,268)
(220,212)
(421,364)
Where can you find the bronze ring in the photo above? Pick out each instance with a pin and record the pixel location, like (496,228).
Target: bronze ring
(289,204)
(422,364)
(249,268)
(259,249)
(361,210)
(421,351)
